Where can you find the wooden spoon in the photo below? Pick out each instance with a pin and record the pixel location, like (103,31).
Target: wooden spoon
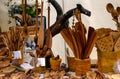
(115,15)
(41,30)
(118,10)
(110,8)
(48,33)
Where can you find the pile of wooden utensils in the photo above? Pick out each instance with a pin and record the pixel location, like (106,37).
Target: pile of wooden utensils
(44,41)
(13,39)
(4,61)
(5,54)
(76,38)
(28,74)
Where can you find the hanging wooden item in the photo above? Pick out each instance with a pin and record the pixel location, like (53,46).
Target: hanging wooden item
(48,33)
(24,3)
(21,60)
(41,29)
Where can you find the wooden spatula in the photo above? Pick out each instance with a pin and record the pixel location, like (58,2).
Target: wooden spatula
(80,26)
(79,43)
(48,33)
(72,34)
(90,42)
(67,38)
(41,30)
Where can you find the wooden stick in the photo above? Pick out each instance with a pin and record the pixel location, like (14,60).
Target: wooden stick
(36,17)
(42,3)
(23,13)
(48,14)
(41,30)
(48,33)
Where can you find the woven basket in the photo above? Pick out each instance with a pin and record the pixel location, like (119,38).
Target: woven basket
(82,66)
(105,44)
(71,63)
(55,64)
(106,60)
(31,29)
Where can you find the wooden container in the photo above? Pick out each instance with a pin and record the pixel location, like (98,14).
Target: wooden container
(82,66)
(71,63)
(106,60)
(55,64)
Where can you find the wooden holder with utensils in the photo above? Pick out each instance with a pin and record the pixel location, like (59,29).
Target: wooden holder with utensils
(76,38)
(80,45)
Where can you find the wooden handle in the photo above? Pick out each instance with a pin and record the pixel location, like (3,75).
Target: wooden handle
(41,13)
(41,30)
(48,15)
(36,17)
(23,13)
(48,33)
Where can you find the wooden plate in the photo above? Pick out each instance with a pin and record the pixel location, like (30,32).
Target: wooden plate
(4,63)
(6,70)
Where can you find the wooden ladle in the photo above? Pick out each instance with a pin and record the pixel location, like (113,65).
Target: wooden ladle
(114,12)
(118,10)
(110,8)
